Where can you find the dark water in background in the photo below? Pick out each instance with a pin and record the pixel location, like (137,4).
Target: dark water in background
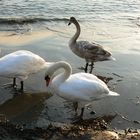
(112,23)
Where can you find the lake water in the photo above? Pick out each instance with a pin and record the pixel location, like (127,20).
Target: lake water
(41,27)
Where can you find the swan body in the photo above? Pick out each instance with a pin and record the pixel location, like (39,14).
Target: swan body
(79,87)
(91,52)
(20,64)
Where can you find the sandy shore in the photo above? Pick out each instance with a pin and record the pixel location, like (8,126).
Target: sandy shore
(93,129)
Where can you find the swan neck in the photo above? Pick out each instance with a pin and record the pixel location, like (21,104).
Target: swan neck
(63,76)
(48,64)
(76,35)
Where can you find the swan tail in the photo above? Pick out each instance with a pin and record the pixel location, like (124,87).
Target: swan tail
(112,93)
(111,58)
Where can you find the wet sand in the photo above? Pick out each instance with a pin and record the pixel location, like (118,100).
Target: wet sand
(95,129)
(36,109)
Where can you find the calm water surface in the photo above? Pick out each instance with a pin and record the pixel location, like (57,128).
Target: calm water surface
(114,24)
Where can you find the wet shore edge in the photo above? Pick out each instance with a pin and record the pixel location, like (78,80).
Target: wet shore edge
(93,128)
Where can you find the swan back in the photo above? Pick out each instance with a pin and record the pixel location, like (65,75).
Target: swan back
(20,64)
(83,87)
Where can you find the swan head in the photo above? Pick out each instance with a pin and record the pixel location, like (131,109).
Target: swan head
(47,79)
(56,66)
(109,56)
(72,20)
(48,76)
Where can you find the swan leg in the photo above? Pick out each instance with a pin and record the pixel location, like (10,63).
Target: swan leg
(21,90)
(11,85)
(22,86)
(75,105)
(91,67)
(82,112)
(14,83)
(86,67)
(80,117)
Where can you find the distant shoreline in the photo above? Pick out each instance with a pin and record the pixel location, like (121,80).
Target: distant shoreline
(13,38)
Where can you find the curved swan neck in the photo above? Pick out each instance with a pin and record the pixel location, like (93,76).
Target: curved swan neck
(48,64)
(76,35)
(64,75)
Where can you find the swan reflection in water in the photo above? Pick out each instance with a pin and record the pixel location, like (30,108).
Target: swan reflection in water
(24,107)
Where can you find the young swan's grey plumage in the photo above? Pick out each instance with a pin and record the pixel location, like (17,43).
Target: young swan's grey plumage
(91,52)
(80,88)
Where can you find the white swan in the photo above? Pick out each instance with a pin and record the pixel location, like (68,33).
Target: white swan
(78,88)
(20,64)
(91,52)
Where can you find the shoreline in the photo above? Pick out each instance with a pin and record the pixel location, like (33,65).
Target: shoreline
(79,131)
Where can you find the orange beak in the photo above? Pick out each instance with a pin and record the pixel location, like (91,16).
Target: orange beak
(69,23)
